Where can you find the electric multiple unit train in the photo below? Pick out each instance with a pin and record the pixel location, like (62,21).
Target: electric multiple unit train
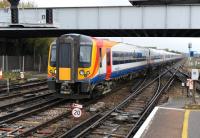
(80,66)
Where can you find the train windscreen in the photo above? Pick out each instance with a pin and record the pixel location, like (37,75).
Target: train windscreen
(53,56)
(85,56)
(85,51)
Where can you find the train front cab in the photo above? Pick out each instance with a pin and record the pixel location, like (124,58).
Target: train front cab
(51,73)
(74,65)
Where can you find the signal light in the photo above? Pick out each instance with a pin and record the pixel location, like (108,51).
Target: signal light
(49,16)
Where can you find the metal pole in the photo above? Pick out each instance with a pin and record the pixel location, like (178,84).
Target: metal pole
(194,92)
(19,63)
(34,57)
(3,63)
(39,63)
(6,62)
(189,47)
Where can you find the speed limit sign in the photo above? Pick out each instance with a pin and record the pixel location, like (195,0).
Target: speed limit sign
(76,112)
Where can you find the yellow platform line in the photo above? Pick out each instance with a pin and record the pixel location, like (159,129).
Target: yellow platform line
(185,124)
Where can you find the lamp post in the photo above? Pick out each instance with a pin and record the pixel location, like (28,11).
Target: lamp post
(189,47)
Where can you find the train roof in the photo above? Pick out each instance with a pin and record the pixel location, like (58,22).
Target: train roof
(138,46)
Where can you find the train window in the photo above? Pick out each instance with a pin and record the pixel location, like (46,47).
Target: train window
(122,57)
(114,54)
(53,56)
(133,57)
(108,56)
(65,55)
(85,56)
(115,58)
(127,57)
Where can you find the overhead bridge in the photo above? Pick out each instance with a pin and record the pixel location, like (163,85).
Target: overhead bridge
(162,2)
(144,21)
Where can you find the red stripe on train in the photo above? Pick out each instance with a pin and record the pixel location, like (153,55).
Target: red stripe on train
(108,63)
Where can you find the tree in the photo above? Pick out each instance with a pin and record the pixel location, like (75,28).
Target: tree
(29,4)
(38,45)
(35,47)
(4,4)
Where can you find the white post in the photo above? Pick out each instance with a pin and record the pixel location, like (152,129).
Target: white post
(8,85)
(34,66)
(39,63)
(23,64)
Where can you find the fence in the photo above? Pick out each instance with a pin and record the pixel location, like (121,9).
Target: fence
(23,63)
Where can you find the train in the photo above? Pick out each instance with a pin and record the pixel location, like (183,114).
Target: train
(81,67)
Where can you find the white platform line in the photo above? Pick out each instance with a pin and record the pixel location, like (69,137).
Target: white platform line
(146,124)
(171,108)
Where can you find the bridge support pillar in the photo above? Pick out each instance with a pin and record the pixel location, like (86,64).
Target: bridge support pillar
(14,11)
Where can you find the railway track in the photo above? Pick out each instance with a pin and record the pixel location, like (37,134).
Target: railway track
(150,106)
(38,118)
(21,92)
(131,112)
(182,77)
(16,124)
(17,87)
(54,114)
(47,129)
(52,132)
(15,104)
(185,75)
(23,95)
(43,94)
(13,109)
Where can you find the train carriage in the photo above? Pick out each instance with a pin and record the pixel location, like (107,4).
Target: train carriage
(81,66)
(127,59)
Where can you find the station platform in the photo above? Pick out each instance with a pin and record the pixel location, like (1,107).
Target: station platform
(171,121)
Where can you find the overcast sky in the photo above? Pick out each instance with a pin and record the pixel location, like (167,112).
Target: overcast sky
(173,43)
(179,44)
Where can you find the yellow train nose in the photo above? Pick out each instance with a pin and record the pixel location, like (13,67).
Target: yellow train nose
(65,74)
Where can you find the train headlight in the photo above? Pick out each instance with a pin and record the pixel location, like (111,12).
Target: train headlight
(88,73)
(55,71)
(81,72)
(51,71)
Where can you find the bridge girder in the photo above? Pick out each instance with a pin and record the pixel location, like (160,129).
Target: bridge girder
(163,2)
(153,21)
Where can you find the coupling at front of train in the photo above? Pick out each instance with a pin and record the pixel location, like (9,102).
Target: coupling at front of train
(80,66)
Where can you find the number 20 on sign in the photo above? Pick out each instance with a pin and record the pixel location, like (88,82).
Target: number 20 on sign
(76,112)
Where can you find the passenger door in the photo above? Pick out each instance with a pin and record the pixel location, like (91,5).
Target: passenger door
(100,62)
(65,57)
(108,64)
(102,59)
